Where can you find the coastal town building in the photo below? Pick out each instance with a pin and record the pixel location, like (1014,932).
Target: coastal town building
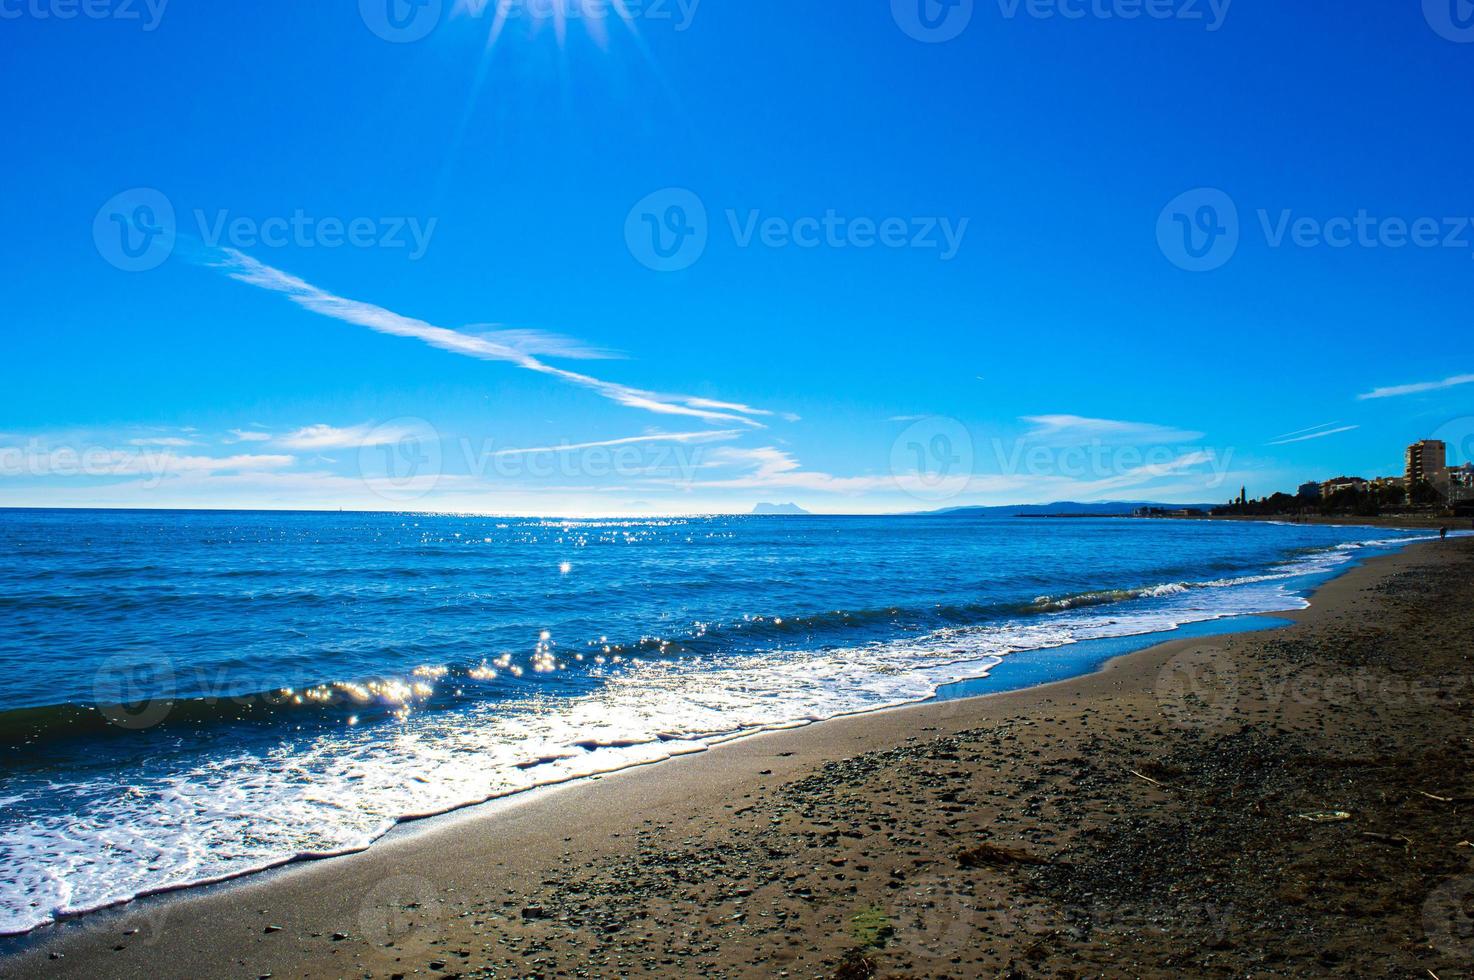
(1427,461)
(1429,482)
(1461,484)
(1340,483)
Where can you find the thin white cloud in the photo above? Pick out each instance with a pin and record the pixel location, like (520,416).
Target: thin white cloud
(248,435)
(165,441)
(1153,471)
(905,418)
(535,342)
(1079,426)
(1315,435)
(243,268)
(175,464)
(681,437)
(1323,425)
(1419,388)
(315,438)
(769,466)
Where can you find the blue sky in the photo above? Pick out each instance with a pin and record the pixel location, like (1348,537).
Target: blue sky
(896,269)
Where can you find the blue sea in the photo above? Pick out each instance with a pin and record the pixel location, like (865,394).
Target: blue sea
(191,696)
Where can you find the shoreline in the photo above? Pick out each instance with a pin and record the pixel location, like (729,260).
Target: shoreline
(1403,522)
(452,854)
(1034,666)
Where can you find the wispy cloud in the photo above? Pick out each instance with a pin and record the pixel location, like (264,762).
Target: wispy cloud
(1315,435)
(681,437)
(164,441)
(1079,426)
(248,435)
(1323,425)
(535,342)
(1418,388)
(769,466)
(42,459)
(1140,475)
(243,268)
(315,438)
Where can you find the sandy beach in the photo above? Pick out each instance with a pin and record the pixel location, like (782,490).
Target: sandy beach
(1286,803)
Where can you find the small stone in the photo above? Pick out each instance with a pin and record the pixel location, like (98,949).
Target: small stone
(272,929)
(533,912)
(338,937)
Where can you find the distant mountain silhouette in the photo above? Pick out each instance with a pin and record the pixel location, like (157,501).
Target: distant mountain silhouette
(770,509)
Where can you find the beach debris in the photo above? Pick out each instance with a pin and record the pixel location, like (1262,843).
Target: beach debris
(855,965)
(994,854)
(1388,838)
(1147,778)
(1325,816)
(1440,799)
(271,929)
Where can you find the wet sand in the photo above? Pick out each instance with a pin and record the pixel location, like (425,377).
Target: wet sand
(1291,803)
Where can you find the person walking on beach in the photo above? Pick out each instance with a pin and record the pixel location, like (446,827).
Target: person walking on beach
(1443,534)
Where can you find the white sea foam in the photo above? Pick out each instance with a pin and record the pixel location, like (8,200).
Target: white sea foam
(232,813)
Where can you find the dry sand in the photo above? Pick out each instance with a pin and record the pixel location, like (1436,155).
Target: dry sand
(1293,803)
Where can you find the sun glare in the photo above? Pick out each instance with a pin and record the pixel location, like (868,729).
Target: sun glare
(537,16)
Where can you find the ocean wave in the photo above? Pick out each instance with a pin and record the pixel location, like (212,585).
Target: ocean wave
(305,790)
